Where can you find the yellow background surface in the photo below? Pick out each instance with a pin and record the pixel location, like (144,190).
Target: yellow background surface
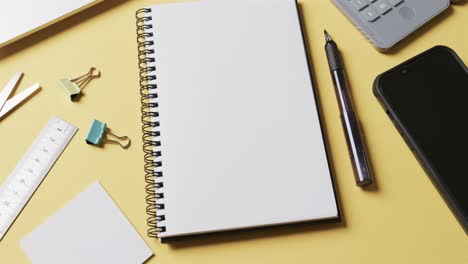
(402,219)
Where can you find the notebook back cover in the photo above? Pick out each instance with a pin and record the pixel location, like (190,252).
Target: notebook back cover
(25,17)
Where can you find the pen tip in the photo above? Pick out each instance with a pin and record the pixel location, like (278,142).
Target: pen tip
(327,37)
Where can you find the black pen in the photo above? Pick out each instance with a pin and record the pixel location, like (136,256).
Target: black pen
(357,150)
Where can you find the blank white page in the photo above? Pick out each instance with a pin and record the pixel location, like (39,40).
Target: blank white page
(24,17)
(242,144)
(90,229)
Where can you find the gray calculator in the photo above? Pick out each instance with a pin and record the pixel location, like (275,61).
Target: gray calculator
(387,22)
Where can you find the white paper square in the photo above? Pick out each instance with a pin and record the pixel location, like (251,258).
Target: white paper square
(90,229)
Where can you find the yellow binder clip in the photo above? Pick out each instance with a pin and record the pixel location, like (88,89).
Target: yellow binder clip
(74,86)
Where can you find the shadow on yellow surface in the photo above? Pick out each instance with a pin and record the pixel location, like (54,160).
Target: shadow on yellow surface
(260,233)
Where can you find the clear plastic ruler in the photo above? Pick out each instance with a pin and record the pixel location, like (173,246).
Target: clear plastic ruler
(32,169)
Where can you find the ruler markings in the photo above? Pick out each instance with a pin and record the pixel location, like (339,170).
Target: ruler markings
(32,169)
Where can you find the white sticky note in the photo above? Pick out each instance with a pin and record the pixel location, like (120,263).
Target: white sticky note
(90,229)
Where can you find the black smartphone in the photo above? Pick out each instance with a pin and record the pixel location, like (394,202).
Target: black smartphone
(426,97)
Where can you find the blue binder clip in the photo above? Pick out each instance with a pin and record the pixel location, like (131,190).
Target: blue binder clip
(97,132)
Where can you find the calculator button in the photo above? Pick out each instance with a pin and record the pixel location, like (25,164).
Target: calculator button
(395,2)
(370,14)
(360,4)
(383,6)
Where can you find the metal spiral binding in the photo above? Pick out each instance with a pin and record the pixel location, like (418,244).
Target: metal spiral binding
(153,173)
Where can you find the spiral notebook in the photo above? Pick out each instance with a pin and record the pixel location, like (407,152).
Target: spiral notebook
(232,134)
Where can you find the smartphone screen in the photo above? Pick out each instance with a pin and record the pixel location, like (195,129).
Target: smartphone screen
(429,98)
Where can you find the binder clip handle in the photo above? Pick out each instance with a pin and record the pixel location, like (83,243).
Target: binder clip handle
(85,78)
(120,138)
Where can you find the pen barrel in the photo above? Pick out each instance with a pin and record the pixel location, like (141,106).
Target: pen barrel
(356,148)
(352,130)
